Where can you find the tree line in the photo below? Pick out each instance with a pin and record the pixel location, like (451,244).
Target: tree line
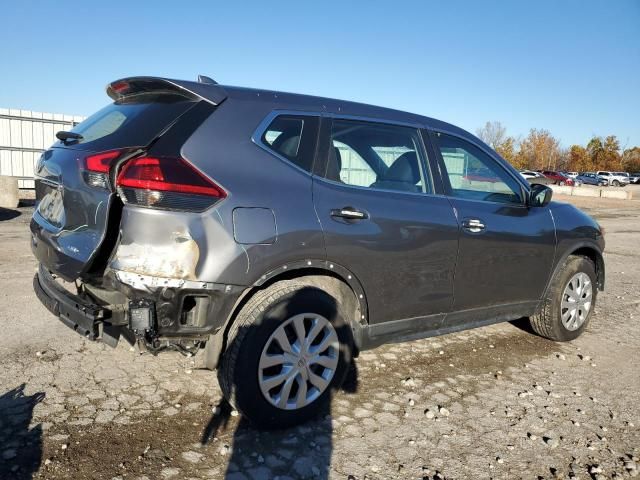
(540,150)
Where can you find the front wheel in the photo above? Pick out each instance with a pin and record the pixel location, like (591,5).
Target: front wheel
(615,183)
(288,349)
(568,306)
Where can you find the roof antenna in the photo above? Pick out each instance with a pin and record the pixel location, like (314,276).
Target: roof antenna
(207,80)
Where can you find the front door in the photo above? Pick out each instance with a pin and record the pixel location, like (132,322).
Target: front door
(374,199)
(506,248)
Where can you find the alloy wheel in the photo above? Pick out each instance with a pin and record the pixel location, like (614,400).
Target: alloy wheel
(577,299)
(298,361)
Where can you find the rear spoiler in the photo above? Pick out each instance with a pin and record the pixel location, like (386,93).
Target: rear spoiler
(125,87)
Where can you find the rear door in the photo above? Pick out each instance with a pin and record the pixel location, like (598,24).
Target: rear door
(74,190)
(506,248)
(381,220)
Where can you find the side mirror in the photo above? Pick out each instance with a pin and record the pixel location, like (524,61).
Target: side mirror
(539,195)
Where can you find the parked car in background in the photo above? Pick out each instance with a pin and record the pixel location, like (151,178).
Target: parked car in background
(634,177)
(559,178)
(285,233)
(527,174)
(481,175)
(592,179)
(535,177)
(625,175)
(615,179)
(571,174)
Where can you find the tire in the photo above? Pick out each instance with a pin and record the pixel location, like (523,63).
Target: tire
(615,183)
(562,183)
(280,308)
(547,322)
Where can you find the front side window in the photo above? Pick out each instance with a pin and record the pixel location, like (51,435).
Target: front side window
(473,174)
(371,155)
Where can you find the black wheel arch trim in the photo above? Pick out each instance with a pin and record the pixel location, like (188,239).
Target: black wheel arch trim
(216,345)
(329,267)
(574,249)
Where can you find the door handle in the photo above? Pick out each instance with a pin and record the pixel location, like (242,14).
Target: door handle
(473,225)
(349,213)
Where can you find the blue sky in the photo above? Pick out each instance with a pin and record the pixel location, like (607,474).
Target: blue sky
(572,67)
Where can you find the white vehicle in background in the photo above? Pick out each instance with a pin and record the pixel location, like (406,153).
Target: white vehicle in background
(630,178)
(615,179)
(634,177)
(535,177)
(527,174)
(572,174)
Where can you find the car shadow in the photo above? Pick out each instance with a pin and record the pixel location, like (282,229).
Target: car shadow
(303,451)
(523,324)
(8,214)
(20,447)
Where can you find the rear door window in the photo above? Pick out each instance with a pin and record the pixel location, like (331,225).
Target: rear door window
(133,121)
(374,155)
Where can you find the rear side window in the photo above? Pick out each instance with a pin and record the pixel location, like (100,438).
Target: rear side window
(292,137)
(130,122)
(377,156)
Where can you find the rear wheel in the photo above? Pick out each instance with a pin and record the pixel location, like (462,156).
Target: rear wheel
(288,349)
(567,309)
(562,183)
(615,183)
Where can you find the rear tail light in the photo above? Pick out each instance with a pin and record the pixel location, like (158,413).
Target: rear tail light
(167,183)
(97,166)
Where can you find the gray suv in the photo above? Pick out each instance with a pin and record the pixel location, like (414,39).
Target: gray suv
(282,234)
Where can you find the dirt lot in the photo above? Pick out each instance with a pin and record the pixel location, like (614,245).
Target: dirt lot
(496,402)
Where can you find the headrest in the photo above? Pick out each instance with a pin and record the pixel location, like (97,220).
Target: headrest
(404,169)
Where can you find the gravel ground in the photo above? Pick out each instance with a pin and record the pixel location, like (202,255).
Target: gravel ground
(495,402)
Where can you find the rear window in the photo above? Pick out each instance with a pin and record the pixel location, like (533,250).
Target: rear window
(129,122)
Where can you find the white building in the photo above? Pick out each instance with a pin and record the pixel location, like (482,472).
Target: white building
(24,135)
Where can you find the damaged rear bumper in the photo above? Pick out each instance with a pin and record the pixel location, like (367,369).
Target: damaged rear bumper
(157,313)
(77,312)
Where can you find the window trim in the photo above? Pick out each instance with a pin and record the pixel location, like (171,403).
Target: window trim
(256,138)
(433,132)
